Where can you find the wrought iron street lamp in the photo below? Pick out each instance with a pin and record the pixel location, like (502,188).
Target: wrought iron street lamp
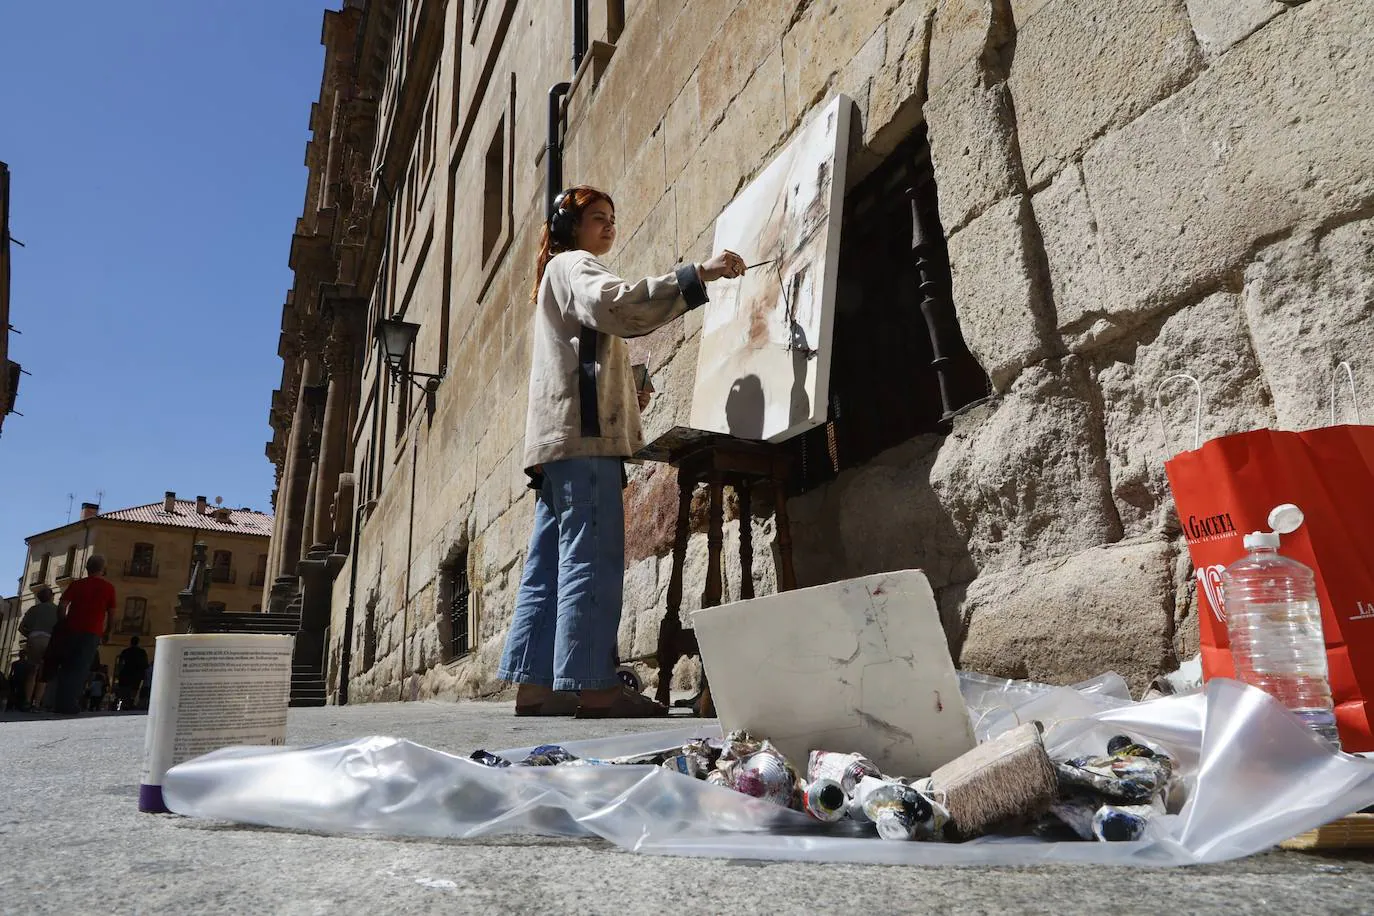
(397,337)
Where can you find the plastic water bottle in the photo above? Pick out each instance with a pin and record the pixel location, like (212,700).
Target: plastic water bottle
(1274,622)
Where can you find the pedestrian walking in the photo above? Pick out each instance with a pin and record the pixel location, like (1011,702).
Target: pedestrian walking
(37,626)
(89,604)
(582,423)
(130,667)
(95,691)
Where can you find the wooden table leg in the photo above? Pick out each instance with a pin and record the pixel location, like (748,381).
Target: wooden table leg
(715,540)
(671,627)
(787,577)
(744,490)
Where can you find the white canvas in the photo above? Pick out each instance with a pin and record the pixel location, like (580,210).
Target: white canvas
(860,665)
(763,369)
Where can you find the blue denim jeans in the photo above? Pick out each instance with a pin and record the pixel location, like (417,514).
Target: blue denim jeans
(75,669)
(567,613)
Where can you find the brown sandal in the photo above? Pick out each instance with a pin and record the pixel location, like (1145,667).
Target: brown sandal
(559,704)
(627,705)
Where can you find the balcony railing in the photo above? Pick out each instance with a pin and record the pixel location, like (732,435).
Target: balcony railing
(258,577)
(223,575)
(139,569)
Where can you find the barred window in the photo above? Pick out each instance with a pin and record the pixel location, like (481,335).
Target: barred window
(135,616)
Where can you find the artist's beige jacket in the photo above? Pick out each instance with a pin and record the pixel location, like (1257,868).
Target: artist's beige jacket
(582,395)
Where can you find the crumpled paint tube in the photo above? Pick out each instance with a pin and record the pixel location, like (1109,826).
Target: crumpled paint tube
(846,769)
(488,759)
(766,775)
(1121,823)
(899,811)
(1120,778)
(824,800)
(547,755)
(1076,813)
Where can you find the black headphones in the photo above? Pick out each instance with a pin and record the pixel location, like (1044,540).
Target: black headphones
(562,221)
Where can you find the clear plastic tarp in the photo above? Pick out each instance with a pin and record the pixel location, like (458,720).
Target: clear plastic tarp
(1252,772)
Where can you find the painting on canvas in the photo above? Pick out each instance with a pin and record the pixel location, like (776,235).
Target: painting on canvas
(763,369)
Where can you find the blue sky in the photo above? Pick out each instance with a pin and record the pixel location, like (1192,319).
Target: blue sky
(156,153)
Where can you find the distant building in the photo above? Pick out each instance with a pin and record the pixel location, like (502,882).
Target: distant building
(9,371)
(147,550)
(9,628)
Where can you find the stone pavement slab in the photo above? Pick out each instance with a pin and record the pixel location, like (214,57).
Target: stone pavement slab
(72,840)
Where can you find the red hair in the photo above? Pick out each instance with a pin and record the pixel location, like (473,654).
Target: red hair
(576,201)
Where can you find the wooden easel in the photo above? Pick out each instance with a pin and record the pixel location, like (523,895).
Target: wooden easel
(719,461)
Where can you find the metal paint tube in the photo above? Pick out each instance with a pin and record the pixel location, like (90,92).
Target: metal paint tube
(766,775)
(488,759)
(846,769)
(1077,814)
(898,810)
(1121,823)
(547,755)
(687,765)
(824,800)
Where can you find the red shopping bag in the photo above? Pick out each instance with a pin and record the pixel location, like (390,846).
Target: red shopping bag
(1225,490)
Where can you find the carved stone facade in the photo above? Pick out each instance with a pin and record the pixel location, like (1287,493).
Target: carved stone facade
(1126,189)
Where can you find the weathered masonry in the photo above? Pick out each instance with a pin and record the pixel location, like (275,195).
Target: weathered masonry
(1077,198)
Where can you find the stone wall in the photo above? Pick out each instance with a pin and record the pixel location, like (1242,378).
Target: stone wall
(1130,189)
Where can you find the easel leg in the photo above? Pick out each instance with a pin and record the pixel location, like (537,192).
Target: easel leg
(671,627)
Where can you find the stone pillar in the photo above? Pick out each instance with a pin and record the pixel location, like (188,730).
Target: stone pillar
(308,529)
(273,547)
(297,476)
(332,439)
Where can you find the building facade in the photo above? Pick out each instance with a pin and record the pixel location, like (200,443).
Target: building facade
(9,370)
(1053,207)
(148,552)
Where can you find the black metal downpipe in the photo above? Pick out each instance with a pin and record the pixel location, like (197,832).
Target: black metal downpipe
(581,26)
(553,151)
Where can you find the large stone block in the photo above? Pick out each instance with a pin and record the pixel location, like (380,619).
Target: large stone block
(1025,478)
(1069,233)
(1310,301)
(892,519)
(1060,621)
(1083,66)
(897,93)
(1272,135)
(749,36)
(1220,24)
(997,291)
(737,148)
(973,145)
(1208,341)
(969,32)
(822,42)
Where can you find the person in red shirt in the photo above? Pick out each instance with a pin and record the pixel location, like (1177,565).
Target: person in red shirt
(88,605)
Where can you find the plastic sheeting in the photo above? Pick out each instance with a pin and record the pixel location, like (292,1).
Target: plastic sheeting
(1254,776)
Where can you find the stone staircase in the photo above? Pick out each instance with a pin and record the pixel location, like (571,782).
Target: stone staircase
(307,682)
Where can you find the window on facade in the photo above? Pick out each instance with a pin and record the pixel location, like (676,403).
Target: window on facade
(455,609)
(141,561)
(68,570)
(899,365)
(221,567)
(426,139)
(134,617)
(42,575)
(494,191)
(260,571)
(215,607)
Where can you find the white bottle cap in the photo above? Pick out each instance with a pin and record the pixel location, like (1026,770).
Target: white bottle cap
(1285,519)
(1261,539)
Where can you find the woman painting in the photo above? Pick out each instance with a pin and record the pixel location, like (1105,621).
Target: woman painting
(583,422)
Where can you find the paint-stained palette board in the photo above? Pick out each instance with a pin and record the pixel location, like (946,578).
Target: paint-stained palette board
(763,369)
(860,665)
